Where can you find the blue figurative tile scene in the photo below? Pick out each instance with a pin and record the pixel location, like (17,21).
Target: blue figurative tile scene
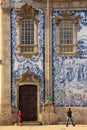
(70,72)
(20,64)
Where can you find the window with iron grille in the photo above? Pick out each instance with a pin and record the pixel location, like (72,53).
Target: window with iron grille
(66,36)
(66,32)
(27,32)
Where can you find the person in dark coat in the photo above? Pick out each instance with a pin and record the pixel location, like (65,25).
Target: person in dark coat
(69,117)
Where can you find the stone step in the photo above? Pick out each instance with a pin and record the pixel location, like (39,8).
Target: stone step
(60,123)
(30,123)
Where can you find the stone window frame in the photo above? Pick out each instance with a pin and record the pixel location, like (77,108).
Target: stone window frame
(66,49)
(27,12)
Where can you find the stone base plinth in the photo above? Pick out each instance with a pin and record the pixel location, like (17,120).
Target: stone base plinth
(57,115)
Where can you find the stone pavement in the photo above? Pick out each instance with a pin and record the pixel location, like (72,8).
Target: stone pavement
(45,127)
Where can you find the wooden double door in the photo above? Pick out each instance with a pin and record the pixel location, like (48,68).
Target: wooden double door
(28,102)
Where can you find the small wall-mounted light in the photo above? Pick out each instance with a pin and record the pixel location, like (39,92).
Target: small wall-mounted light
(0,61)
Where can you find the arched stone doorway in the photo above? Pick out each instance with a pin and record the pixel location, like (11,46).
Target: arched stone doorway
(28,97)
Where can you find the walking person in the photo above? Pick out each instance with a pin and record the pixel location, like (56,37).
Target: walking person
(19,118)
(69,117)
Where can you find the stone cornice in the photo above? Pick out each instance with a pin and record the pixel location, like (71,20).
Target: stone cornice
(44,1)
(73,5)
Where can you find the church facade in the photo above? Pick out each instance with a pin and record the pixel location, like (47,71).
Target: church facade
(43,60)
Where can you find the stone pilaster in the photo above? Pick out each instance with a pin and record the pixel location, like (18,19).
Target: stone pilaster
(48,52)
(0,36)
(6,66)
(0,60)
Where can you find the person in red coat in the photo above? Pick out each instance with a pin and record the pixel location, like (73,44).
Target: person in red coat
(19,118)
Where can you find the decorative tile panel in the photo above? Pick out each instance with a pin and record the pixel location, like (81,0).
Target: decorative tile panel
(70,72)
(34,64)
(17,0)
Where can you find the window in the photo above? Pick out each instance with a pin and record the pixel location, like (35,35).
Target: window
(27,40)
(66,34)
(27,32)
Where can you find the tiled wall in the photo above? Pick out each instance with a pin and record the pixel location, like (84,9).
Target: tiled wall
(17,0)
(70,72)
(21,64)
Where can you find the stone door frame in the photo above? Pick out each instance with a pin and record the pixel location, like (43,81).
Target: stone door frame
(28,78)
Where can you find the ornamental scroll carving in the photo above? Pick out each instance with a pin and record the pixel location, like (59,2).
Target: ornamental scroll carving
(27,77)
(6,6)
(27,12)
(66,15)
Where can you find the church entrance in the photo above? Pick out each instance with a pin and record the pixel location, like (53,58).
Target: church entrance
(28,102)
